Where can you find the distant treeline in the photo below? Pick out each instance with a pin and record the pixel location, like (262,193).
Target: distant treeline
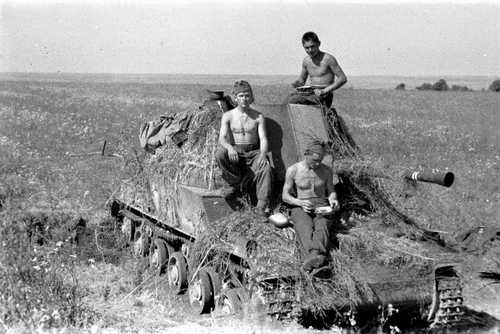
(442,85)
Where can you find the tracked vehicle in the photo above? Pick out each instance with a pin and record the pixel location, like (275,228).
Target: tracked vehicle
(178,200)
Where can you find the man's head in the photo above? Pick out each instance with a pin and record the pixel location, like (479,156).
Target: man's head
(311,43)
(314,153)
(242,92)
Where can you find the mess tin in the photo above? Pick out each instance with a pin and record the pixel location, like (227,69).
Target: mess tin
(323,210)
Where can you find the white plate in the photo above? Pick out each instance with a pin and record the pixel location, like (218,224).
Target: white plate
(323,210)
(310,87)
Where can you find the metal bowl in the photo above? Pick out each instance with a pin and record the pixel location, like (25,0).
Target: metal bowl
(279,220)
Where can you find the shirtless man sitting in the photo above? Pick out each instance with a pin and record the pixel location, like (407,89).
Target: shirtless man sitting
(322,68)
(244,146)
(313,181)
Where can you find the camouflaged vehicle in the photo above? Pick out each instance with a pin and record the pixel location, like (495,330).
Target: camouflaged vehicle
(179,199)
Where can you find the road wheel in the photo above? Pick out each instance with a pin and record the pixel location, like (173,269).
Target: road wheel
(128,229)
(177,273)
(140,247)
(229,302)
(201,294)
(215,280)
(159,254)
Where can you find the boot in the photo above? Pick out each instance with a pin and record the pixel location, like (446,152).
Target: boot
(313,261)
(261,208)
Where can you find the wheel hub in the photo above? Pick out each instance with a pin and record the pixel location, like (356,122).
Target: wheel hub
(139,246)
(126,226)
(195,292)
(226,308)
(154,259)
(174,275)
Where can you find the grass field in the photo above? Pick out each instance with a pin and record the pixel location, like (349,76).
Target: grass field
(44,124)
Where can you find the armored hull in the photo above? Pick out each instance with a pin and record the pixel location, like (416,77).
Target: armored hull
(179,215)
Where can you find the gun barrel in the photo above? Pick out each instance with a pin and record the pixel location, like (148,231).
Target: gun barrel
(360,170)
(444,179)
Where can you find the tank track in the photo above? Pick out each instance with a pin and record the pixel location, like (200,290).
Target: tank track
(166,235)
(448,301)
(280,308)
(279,298)
(144,219)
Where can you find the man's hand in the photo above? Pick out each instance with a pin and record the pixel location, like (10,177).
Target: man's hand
(334,203)
(306,205)
(233,155)
(319,92)
(297,83)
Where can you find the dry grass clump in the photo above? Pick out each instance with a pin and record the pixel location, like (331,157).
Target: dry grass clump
(192,164)
(388,255)
(277,255)
(274,254)
(344,290)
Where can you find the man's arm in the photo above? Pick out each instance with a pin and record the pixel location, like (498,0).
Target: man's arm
(223,134)
(330,189)
(287,188)
(224,128)
(302,76)
(264,144)
(339,74)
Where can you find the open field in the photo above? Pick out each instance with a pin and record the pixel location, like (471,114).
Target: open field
(44,125)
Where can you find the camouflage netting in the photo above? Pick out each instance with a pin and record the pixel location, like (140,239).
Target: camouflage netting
(192,163)
(386,242)
(277,255)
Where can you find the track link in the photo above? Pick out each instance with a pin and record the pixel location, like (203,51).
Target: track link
(280,299)
(448,300)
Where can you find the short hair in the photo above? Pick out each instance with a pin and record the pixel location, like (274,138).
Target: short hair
(310,36)
(317,146)
(242,86)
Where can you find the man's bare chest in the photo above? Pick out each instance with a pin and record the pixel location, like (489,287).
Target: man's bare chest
(243,124)
(309,179)
(318,69)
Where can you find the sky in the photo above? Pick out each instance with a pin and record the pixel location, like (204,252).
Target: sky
(249,37)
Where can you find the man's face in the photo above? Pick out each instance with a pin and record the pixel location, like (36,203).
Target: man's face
(313,160)
(244,99)
(311,48)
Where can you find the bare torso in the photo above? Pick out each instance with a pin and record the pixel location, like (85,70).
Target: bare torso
(311,183)
(319,70)
(244,127)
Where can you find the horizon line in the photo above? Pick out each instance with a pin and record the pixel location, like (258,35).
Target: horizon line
(241,74)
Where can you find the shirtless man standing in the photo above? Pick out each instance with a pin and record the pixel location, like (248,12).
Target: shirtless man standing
(322,68)
(313,181)
(244,146)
